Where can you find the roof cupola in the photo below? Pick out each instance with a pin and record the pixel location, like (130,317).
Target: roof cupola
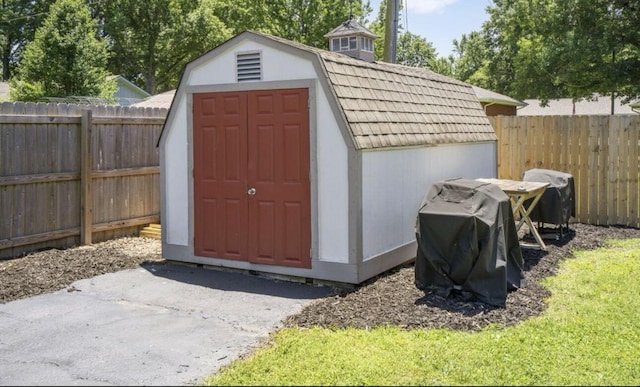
(350,38)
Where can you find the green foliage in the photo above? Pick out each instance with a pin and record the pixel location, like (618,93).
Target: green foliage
(153,40)
(18,22)
(471,59)
(242,15)
(551,49)
(411,50)
(307,21)
(443,66)
(588,336)
(66,58)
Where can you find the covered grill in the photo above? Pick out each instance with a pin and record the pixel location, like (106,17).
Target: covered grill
(467,241)
(557,204)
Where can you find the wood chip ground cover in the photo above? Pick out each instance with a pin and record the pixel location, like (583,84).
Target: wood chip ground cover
(387,299)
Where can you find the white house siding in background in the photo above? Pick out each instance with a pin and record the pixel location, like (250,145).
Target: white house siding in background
(127,93)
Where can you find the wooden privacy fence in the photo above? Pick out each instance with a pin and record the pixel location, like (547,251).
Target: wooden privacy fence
(73,174)
(601,152)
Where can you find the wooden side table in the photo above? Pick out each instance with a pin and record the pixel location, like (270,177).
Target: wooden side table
(518,192)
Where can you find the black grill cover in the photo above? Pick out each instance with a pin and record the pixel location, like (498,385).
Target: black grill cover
(557,203)
(467,241)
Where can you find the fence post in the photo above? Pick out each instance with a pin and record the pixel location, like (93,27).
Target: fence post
(86,169)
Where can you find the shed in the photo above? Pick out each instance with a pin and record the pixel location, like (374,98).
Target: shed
(281,158)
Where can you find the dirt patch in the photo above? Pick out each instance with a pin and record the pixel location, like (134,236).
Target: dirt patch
(388,299)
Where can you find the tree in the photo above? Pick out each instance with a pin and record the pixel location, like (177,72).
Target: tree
(18,22)
(66,57)
(152,40)
(444,66)
(549,49)
(243,15)
(470,59)
(307,21)
(413,50)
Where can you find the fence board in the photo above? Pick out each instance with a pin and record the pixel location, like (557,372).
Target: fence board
(622,161)
(603,182)
(571,147)
(40,174)
(613,172)
(601,152)
(585,173)
(634,187)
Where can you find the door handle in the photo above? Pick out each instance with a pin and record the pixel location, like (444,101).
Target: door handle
(251,191)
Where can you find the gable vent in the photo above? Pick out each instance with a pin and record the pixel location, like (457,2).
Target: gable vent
(248,67)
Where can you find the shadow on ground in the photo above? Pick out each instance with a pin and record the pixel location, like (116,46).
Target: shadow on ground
(221,279)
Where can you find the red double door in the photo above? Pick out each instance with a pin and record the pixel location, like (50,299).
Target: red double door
(251,176)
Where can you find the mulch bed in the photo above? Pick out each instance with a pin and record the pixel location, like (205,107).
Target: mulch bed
(390,298)
(54,269)
(393,299)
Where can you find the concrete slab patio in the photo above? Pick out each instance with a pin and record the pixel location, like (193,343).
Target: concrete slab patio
(163,324)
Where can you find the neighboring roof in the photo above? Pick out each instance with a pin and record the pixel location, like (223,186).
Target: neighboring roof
(162,100)
(387,105)
(131,87)
(565,106)
(488,96)
(350,27)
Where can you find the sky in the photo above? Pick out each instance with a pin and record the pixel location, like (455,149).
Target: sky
(440,21)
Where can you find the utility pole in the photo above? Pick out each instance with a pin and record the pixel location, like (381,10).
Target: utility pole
(391,31)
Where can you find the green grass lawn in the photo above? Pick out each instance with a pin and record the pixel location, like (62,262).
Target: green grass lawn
(589,335)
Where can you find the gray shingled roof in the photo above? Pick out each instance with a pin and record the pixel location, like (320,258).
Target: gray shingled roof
(162,100)
(389,105)
(350,27)
(386,105)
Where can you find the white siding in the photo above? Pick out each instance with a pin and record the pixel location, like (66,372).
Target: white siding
(395,181)
(276,66)
(333,189)
(175,180)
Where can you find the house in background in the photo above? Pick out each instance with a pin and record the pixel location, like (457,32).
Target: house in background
(127,93)
(495,104)
(566,106)
(281,158)
(162,100)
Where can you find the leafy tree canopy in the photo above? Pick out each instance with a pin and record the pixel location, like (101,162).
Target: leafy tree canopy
(66,57)
(550,49)
(152,40)
(18,22)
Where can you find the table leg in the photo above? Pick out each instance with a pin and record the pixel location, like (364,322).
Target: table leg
(517,205)
(525,217)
